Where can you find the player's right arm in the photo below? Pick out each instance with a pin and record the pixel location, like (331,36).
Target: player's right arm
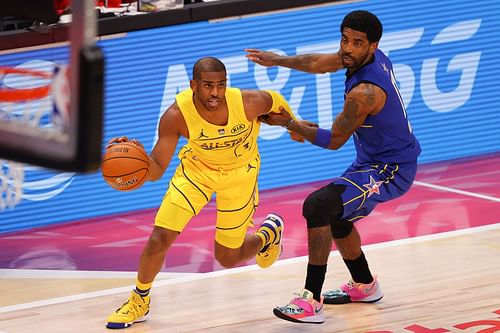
(361,101)
(311,63)
(171,127)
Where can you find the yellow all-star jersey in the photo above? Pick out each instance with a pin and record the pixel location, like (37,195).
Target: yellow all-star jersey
(230,146)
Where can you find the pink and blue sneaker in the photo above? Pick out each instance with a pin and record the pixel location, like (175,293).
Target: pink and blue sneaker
(303,308)
(354,292)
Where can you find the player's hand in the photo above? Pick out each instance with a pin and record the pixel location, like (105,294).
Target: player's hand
(121,139)
(297,137)
(276,118)
(264,58)
(308,123)
(263,119)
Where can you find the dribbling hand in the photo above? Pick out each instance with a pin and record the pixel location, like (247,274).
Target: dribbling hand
(121,139)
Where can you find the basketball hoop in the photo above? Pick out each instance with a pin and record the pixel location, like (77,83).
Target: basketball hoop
(30,100)
(39,100)
(19,95)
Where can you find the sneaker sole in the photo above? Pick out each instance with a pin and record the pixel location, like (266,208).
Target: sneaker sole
(347,301)
(117,326)
(281,315)
(370,301)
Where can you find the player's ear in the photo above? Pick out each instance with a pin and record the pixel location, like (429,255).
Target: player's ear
(193,84)
(373,47)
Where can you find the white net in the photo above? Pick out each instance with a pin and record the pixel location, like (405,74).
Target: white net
(44,114)
(11,184)
(48,113)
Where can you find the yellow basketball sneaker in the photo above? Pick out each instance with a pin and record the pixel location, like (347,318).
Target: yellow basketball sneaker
(272,228)
(134,310)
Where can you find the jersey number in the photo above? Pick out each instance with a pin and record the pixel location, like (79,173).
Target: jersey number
(394,84)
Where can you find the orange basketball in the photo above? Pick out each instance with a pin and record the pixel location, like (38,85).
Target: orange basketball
(125,166)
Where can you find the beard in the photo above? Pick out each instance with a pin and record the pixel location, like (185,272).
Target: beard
(350,62)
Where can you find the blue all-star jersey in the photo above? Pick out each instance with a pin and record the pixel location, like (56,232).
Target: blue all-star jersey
(386,137)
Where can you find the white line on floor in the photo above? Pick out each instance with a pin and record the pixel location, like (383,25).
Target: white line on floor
(453,190)
(200,276)
(65,274)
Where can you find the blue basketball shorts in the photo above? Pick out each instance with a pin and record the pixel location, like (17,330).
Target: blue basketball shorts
(370,184)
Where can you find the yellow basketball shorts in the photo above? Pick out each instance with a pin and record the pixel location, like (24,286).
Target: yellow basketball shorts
(192,187)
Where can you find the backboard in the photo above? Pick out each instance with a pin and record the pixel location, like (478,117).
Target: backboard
(51,105)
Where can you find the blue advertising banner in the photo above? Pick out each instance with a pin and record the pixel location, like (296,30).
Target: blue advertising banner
(445,66)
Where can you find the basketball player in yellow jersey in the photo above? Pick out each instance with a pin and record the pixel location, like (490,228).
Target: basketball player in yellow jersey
(221,157)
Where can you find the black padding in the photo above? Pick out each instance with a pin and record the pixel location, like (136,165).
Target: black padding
(341,228)
(322,206)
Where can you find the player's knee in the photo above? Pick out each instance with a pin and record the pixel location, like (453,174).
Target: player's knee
(323,205)
(227,262)
(227,257)
(160,240)
(315,211)
(341,228)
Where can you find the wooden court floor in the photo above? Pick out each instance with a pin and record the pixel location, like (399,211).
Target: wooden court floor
(448,282)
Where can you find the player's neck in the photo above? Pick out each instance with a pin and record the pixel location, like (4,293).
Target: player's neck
(217,116)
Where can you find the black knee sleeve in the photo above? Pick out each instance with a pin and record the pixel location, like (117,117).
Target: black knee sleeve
(341,228)
(324,206)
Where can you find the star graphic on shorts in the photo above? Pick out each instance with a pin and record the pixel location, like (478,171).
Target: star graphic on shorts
(373,187)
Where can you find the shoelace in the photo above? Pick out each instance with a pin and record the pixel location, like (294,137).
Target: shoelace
(350,284)
(294,307)
(135,308)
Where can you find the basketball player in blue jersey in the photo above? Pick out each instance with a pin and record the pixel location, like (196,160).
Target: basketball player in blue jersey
(384,168)
(221,157)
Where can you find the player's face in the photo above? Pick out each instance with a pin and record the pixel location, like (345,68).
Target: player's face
(210,90)
(355,48)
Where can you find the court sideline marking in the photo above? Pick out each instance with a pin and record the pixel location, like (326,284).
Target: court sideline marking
(453,190)
(200,276)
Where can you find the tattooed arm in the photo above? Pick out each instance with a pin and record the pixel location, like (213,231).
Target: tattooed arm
(310,63)
(363,100)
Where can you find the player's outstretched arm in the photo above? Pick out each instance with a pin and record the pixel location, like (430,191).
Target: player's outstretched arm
(171,127)
(363,100)
(311,63)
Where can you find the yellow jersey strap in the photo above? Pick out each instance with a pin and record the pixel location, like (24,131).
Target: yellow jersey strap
(226,146)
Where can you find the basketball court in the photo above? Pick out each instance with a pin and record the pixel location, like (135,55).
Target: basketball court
(434,251)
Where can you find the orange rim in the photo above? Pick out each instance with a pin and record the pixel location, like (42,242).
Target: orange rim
(20,95)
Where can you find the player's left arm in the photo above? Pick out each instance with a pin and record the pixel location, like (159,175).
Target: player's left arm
(363,100)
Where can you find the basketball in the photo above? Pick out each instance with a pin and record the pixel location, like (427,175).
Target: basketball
(125,166)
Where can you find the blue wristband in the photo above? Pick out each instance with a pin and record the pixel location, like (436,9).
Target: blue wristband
(323,138)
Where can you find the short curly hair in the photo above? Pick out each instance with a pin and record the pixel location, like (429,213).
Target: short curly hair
(364,21)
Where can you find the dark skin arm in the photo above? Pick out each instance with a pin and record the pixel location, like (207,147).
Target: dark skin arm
(172,126)
(256,102)
(363,100)
(311,63)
